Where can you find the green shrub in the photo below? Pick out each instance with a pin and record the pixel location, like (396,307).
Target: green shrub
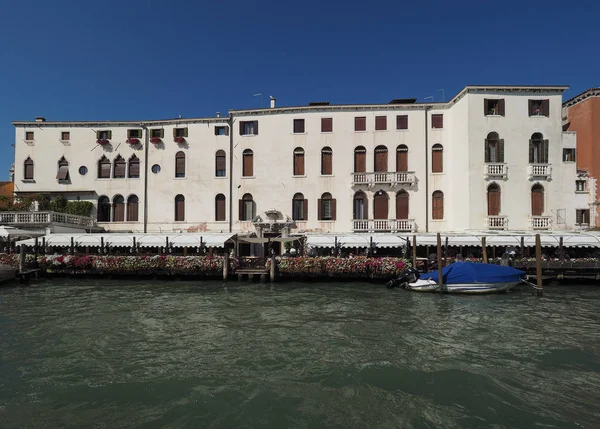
(58,204)
(79,208)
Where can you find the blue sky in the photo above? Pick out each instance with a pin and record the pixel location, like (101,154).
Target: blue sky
(132,59)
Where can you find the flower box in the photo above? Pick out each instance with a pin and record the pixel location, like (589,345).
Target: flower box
(103,141)
(179,139)
(133,141)
(155,140)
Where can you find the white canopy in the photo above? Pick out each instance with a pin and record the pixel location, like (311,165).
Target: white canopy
(355,240)
(570,239)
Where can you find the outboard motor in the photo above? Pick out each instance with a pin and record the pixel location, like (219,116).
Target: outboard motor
(409,275)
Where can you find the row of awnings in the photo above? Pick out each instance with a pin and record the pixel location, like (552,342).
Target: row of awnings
(127,240)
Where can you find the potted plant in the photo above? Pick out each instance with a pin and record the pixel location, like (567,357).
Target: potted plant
(133,141)
(103,142)
(155,140)
(179,139)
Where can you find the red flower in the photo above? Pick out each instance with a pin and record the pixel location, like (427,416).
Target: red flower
(179,139)
(103,141)
(133,141)
(155,140)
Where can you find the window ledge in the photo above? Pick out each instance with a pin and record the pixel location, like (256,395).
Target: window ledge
(326,132)
(300,134)
(298,176)
(538,116)
(327,220)
(179,178)
(248,135)
(582,192)
(569,162)
(437,173)
(133,177)
(495,116)
(437,129)
(28,180)
(248,177)
(220,177)
(103,179)
(327,175)
(380,131)
(361,131)
(437,220)
(402,129)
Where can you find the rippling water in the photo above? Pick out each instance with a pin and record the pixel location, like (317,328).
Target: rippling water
(113,354)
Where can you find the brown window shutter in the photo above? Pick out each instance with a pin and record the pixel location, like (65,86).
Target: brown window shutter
(134,168)
(485,106)
(537,202)
(438,205)
(326,162)
(241,210)
(180,210)
(333,209)
(248,165)
(227,130)
(380,123)
(119,169)
(401,160)
(255,128)
(437,121)
(28,173)
(104,170)
(63,172)
(437,162)
(360,162)
(402,122)
(402,205)
(241,128)
(530,107)
(381,161)
(298,126)
(179,165)
(326,125)
(319,209)
(501,107)
(298,164)
(360,123)
(493,202)
(546,107)
(220,208)
(221,161)
(305,209)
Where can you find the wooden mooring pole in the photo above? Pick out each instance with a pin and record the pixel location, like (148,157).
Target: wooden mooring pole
(225,265)
(22,258)
(484,250)
(439,258)
(538,265)
(414,252)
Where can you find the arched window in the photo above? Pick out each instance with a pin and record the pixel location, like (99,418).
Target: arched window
(134,167)
(220,164)
(180,164)
(437,205)
(103,168)
(381,159)
(538,149)
(28,169)
(119,167)
(248,163)
(360,206)
(103,210)
(326,161)
(132,208)
(179,208)
(118,209)
(402,158)
(537,200)
(494,148)
(493,199)
(220,208)
(299,207)
(402,205)
(326,207)
(63,170)
(247,208)
(380,205)
(298,161)
(437,158)
(360,159)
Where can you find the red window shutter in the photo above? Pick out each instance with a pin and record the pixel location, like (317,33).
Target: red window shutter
(437,162)
(501,107)
(360,123)
(298,164)
(401,160)
(326,125)
(305,209)
(319,209)
(381,160)
(402,205)
(402,122)
(360,162)
(326,163)
(380,123)
(546,107)
(333,209)
(298,126)
(437,121)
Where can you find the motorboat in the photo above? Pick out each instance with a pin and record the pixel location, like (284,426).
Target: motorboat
(462,277)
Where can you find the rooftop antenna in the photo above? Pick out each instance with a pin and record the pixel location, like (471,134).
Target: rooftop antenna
(426,98)
(258,95)
(443,95)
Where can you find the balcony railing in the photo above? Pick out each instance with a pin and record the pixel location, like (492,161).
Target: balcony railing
(540,222)
(495,171)
(387,178)
(540,171)
(497,222)
(383,225)
(44,218)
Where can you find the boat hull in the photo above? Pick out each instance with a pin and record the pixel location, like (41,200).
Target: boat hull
(464,288)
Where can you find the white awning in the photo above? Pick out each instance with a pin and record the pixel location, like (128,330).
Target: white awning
(570,239)
(355,240)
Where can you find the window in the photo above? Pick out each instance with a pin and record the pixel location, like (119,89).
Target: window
(568,155)
(539,107)
(402,158)
(180,132)
(118,209)
(381,159)
(493,107)
(360,123)
(493,200)
(299,207)
(119,167)
(132,208)
(103,168)
(538,149)
(29,135)
(360,159)
(494,148)
(582,216)
(63,171)
(247,208)
(326,161)
(402,205)
(104,135)
(221,131)
(298,126)
(437,158)
(402,122)
(298,161)
(180,164)
(380,123)
(248,163)
(134,134)
(326,207)
(326,125)
(581,185)
(537,200)
(248,128)
(220,164)
(156,168)
(360,208)
(437,120)
(65,136)
(28,169)
(157,133)
(437,205)
(179,208)
(133,167)
(103,210)
(83,170)
(220,208)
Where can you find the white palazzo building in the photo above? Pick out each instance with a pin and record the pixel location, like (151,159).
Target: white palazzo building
(492,158)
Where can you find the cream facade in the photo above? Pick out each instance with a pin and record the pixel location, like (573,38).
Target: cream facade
(397,167)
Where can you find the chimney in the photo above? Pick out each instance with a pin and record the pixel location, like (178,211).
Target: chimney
(272,101)
(40,119)
(218,114)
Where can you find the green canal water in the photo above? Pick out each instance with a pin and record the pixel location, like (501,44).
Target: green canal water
(123,354)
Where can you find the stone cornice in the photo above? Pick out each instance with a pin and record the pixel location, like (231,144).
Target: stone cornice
(131,124)
(590,93)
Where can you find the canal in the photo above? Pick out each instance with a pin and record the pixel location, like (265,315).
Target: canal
(117,354)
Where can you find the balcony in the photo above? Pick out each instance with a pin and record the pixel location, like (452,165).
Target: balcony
(495,171)
(407,178)
(540,222)
(39,219)
(383,225)
(540,171)
(497,222)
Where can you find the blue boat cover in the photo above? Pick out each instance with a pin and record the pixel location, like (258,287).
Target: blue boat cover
(471,272)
